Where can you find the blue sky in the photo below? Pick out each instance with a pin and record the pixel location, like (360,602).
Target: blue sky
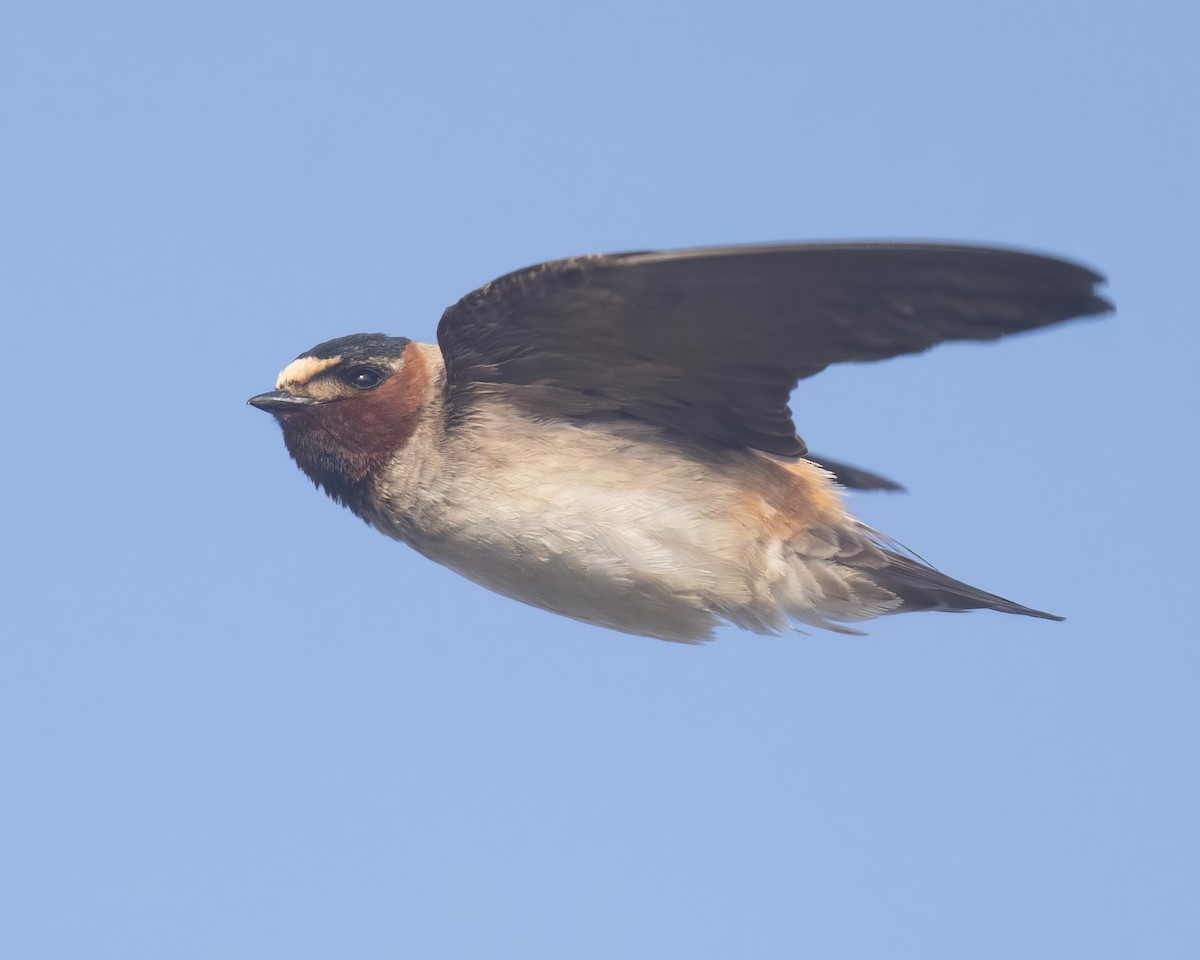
(236,723)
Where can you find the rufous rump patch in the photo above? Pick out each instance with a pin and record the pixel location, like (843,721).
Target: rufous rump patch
(785,500)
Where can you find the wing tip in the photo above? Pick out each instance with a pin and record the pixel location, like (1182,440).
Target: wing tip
(855,478)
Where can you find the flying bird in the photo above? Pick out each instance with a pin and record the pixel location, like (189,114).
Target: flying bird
(608,437)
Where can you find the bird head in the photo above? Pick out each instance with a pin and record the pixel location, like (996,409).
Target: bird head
(347,405)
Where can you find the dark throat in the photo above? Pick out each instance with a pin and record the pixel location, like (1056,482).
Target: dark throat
(341,445)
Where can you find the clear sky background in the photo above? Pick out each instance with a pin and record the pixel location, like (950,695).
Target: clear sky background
(236,723)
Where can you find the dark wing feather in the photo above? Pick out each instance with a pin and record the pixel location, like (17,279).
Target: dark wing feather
(856,478)
(711,342)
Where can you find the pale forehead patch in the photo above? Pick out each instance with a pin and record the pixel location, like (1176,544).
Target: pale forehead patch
(299,372)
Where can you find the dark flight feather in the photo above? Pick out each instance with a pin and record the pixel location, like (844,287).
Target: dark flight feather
(855,478)
(711,342)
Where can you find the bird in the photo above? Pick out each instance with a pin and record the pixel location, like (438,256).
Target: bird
(609,437)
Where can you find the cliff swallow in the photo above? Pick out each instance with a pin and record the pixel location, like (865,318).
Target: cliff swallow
(609,438)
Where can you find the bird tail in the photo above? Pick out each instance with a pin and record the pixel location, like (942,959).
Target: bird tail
(920,587)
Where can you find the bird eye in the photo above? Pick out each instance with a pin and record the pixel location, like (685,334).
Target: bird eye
(363,378)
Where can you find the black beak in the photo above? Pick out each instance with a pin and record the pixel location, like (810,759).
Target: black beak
(278,401)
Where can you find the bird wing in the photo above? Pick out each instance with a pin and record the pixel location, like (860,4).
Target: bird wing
(711,342)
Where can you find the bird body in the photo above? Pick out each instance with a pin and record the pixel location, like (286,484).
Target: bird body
(581,469)
(614,525)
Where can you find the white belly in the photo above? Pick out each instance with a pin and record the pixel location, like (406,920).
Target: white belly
(606,528)
(643,551)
